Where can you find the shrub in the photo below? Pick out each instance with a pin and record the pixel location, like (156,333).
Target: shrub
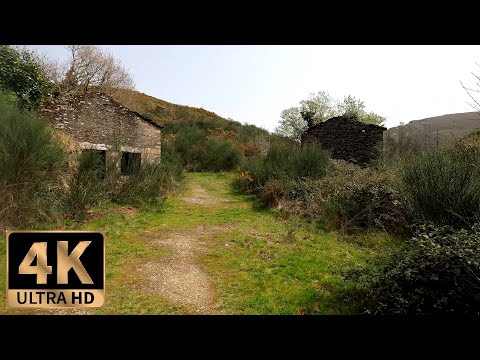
(284,162)
(87,187)
(30,164)
(143,187)
(438,271)
(172,168)
(356,198)
(443,185)
(219,156)
(21,74)
(187,143)
(275,192)
(152,182)
(348,197)
(257,146)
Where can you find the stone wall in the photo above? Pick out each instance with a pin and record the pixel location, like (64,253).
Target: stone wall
(96,121)
(346,139)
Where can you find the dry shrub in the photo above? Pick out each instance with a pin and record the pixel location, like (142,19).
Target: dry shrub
(355,198)
(257,146)
(348,197)
(275,192)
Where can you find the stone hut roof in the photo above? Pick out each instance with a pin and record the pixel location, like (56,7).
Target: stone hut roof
(346,139)
(75,100)
(345,122)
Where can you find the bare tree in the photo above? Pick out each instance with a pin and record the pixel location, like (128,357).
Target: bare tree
(53,71)
(89,67)
(474,92)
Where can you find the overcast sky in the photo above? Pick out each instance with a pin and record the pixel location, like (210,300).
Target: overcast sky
(253,84)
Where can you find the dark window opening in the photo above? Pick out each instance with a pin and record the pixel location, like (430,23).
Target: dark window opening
(95,159)
(130,163)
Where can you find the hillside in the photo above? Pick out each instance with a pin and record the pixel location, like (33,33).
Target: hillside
(159,110)
(450,127)
(204,140)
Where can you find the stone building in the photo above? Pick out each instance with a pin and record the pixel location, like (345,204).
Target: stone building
(99,123)
(346,139)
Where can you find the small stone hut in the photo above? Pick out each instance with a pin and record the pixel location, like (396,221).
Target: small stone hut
(98,123)
(346,139)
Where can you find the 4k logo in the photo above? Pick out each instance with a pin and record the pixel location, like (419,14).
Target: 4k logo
(55,269)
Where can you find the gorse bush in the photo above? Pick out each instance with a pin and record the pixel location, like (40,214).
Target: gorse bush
(142,187)
(30,165)
(172,168)
(201,153)
(443,185)
(213,144)
(438,271)
(152,182)
(87,187)
(188,143)
(283,162)
(218,156)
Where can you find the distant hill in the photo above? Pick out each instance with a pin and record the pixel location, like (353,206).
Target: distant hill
(450,127)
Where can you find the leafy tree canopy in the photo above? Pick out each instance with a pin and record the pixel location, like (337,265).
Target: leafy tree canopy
(22,76)
(320,107)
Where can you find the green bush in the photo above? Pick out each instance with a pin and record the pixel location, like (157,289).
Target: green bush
(219,156)
(353,198)
(152,182)
(348,198)
(31,163)
(87,187)
(214,144)
(187,143)
(438,271)
(443,185)
(172,168)
(283,162)
(21,74)
(95,182)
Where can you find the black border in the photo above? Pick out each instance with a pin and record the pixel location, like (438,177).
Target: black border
(317,335)
(241,23)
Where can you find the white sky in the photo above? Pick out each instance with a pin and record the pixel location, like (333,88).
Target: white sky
(253,84)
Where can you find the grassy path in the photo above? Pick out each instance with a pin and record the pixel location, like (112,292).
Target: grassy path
(211,251)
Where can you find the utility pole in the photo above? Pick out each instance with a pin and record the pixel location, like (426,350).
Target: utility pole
(425,136)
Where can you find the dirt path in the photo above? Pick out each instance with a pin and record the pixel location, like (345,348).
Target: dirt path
(179,276)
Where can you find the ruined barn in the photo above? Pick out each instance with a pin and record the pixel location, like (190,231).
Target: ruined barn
(346,139)
(98,123)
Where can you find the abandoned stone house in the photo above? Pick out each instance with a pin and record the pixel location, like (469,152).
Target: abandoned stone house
(98,123)
(346,139)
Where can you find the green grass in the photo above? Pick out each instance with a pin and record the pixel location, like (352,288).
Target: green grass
(259,264)
(268,265)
